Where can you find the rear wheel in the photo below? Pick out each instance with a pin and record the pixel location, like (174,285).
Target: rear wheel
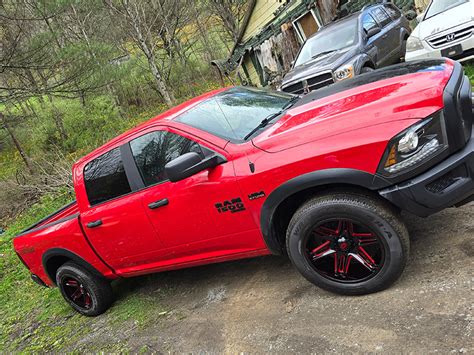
(348,243)
(87,293)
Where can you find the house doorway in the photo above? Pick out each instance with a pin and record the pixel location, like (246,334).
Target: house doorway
(306,25)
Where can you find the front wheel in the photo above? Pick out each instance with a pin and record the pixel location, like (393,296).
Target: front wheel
(348,243)
(87,293)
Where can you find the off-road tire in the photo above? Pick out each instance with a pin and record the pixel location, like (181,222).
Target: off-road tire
(99,288)
(376,213)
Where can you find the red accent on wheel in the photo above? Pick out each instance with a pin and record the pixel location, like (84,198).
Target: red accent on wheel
(77,293)
(345,250)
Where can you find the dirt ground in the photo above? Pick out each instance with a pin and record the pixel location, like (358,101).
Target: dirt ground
(264,305)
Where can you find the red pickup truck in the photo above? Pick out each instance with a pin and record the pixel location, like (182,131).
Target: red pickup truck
(242,172)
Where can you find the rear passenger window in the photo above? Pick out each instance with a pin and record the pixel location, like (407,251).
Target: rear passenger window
(381,16)
(154,150)
(393,12)
(105,178)
(368,22)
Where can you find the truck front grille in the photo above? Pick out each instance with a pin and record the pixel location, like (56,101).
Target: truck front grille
(313,83)
(451,37)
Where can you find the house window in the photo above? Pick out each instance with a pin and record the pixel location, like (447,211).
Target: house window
(306,25)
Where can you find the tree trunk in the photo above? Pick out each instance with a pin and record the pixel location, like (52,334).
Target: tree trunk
(58,120)
(17,144)
(160,84)
(57,117)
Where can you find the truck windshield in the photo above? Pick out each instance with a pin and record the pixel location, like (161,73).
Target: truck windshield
(234,113)
(336,37)
(438,6)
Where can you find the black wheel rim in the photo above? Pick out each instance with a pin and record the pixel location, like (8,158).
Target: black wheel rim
(77,293)
(344,250)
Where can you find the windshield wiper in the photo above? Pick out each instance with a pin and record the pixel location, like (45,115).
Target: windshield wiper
(269,118)
(323,53)
(290,102)
(263,123)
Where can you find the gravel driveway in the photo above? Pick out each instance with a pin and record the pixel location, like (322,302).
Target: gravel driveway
(264,305)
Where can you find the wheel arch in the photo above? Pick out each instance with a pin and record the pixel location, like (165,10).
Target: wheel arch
(363,60)
(53,259)
(404,34)
(283,202)
(368,63)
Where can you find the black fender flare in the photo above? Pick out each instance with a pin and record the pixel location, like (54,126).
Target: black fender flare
(55,252)
(361,60)
(367,61)
(337,176)
(404,33)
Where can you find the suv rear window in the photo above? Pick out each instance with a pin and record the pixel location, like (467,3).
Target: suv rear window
(392,11)
(381,16)
(105,178)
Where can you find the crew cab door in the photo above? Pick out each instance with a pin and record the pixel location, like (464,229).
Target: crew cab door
(385,45)
(374,44)
(203,216)
(112,216)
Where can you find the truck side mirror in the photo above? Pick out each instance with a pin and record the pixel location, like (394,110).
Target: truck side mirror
(411,15)
(373,31)
(189,164)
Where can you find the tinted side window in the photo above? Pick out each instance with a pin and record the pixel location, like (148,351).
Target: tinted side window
(392,11)
(368,22)
(105,177)
(381,16)
(154,150)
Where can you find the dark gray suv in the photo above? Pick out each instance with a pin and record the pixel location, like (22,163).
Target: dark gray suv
(371,38)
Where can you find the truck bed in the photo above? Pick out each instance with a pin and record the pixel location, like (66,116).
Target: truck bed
(59,235)
(64,212)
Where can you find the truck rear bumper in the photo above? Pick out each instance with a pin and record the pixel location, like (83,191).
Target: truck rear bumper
(450,183)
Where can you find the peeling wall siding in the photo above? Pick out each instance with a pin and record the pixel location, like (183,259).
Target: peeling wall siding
(277,53)
(270,42)
(252,72)
(261,16)
(327,9)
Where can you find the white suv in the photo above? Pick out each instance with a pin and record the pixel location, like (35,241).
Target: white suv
(445,29)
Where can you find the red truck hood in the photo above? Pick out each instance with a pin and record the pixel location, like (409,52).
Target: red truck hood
(401,92)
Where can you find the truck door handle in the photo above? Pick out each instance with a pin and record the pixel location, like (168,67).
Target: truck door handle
(157,204)
(94,224)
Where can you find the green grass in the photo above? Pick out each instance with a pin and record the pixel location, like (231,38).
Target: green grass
(36,319)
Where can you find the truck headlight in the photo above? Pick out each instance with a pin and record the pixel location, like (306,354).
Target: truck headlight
(414,44)
(344,72)
(415,146)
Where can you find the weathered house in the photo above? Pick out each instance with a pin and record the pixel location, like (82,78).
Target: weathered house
(273,31)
